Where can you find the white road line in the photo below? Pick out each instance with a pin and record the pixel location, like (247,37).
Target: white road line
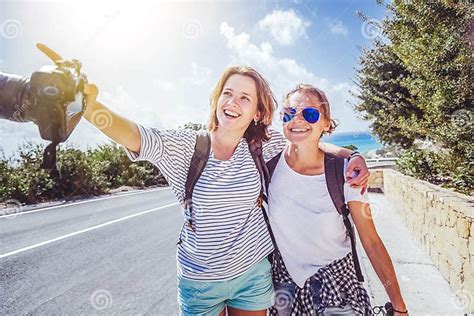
(77,203)
(11,253)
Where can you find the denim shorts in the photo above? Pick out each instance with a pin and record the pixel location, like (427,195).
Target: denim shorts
(285,294)
(251,291)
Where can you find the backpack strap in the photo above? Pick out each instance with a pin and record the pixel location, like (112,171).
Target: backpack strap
(271,165)
(256,151)
(257,155)
(198,163)
(334,169)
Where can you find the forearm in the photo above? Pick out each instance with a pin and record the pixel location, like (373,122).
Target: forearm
(15,102)
(335,150)
(116,127)
(380,260)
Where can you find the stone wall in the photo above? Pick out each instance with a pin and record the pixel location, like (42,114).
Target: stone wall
(376,179)
(441,220)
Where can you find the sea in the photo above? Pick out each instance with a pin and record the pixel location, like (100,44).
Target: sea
(364,141)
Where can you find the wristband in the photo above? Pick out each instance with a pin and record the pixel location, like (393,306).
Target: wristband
(355,153)
(404,312)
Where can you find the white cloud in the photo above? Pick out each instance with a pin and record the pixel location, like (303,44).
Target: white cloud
(164,85)
(286,27)
(199,75)
(337,27)
(184,99)
(285,73)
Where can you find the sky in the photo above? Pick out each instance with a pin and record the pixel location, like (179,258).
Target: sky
(157,62)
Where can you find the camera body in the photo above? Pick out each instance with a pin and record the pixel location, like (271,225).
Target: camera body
(59,102)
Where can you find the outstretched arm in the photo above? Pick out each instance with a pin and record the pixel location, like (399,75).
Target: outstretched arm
(118,128)
(335,150)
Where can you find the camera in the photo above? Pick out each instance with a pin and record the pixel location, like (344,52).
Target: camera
(58,97)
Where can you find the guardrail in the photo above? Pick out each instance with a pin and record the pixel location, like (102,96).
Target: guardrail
(381,159)
(381,162)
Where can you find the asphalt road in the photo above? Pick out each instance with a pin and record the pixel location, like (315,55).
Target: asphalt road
(115,255)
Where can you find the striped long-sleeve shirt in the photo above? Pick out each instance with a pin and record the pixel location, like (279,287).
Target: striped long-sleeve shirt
(230,232)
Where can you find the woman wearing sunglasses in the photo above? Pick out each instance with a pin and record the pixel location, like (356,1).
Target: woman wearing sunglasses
(313,268)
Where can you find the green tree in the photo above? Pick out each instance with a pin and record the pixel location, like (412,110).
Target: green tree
(417,89)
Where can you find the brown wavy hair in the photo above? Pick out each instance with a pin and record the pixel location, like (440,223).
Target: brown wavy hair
(266,103)
(325,108)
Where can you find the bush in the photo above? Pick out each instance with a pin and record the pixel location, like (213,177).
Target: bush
(80,173)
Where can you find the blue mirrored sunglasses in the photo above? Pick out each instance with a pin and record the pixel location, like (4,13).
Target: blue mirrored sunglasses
(310,115)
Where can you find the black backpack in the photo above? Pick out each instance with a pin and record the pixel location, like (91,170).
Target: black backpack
(333,166)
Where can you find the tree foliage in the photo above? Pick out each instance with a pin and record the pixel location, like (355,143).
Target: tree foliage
(416,87)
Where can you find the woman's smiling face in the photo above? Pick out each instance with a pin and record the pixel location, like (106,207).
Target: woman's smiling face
(237,104)
(298,130)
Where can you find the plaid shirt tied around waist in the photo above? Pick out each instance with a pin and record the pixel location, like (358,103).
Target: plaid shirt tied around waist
(339,287)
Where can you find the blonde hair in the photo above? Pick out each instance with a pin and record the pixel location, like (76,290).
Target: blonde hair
(325,108)
(266,103)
